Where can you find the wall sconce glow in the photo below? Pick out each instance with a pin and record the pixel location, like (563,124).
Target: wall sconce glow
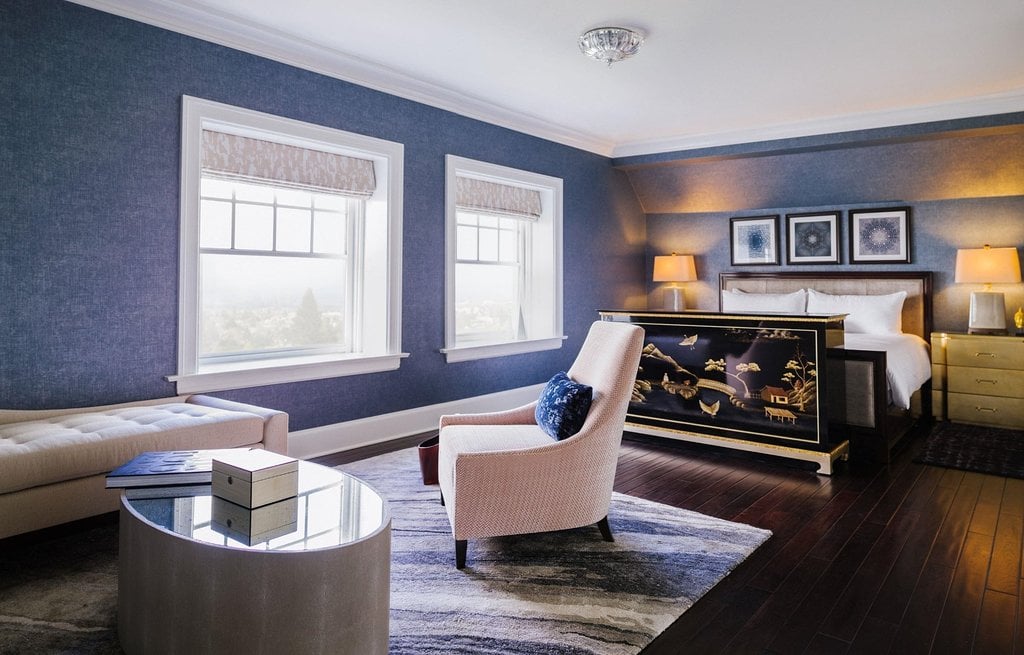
(987,266)
(674,268)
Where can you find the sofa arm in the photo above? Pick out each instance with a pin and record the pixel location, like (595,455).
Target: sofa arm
(275,422)
(519,416)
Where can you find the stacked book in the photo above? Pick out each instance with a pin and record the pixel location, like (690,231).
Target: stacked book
(167,473)
(254,492)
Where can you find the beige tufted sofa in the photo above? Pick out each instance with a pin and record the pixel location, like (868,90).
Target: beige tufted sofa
(53,463)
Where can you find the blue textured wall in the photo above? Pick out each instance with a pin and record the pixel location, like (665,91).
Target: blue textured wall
(89,139)
(89,148)
(955,165)
(964,182)
(938,228)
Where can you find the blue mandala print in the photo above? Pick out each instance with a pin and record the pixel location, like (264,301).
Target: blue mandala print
(812,239)
(879,236)
(757,238)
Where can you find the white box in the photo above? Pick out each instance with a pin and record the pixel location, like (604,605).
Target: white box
(254,526)
(255,478)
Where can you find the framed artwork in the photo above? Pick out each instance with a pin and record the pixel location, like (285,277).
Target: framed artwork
(812,238)
(754,240)
(879,236)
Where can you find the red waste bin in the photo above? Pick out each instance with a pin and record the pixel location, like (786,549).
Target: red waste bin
(428,459)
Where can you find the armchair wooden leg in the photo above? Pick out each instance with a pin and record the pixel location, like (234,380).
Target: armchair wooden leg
(460,553)
(606,529)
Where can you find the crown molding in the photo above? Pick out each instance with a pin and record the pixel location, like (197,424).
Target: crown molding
(215,27)
(990,105)
(225,30)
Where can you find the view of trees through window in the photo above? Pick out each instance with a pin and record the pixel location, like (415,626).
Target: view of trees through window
(488,277)
(234,330)
(274,269)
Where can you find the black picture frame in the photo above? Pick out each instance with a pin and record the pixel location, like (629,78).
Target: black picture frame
(812,238)
(754,240)
(879,235)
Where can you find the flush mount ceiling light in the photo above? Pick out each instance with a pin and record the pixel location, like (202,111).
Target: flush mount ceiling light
(610,44)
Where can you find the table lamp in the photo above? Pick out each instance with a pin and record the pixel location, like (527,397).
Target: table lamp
(987,266)
(674,268)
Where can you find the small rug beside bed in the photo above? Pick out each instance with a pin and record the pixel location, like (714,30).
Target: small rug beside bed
(995,451)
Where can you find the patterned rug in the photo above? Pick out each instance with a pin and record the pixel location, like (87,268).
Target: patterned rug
(994,451)
(569,592)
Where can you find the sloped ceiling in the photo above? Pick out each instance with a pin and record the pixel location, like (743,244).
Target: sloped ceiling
(970,164)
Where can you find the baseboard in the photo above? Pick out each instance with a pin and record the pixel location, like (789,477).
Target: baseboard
(327,439)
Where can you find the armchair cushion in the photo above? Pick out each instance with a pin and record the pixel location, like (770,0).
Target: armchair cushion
(563,406)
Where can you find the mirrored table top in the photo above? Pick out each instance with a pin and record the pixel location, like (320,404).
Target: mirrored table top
(331,509)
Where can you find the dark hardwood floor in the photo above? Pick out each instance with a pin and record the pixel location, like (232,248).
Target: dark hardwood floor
(904,558)
(900,559)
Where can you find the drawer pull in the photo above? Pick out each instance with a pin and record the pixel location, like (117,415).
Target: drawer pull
(985,409)
(984,354)
(983,381)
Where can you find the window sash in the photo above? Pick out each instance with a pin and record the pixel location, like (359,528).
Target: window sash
(478,224)
(509,238)
(353,211)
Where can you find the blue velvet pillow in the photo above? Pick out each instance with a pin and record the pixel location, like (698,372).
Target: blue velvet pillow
(563,406)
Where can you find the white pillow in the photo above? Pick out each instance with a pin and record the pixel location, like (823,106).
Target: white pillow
(735,300)
(867,314)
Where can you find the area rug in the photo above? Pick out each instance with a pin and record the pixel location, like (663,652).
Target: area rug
(995,451)
(566,592)
(569,592)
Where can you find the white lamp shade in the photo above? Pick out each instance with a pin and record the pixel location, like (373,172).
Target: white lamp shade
(674,268)
(987,266)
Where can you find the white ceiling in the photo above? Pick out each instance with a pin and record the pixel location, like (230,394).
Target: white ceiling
(711,72)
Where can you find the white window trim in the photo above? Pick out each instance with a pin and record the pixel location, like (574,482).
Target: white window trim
(196,114)
(466,353)
(501,174)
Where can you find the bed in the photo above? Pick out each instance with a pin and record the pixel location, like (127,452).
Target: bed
(873,405)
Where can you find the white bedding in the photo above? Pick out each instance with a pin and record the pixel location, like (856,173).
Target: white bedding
(908,364)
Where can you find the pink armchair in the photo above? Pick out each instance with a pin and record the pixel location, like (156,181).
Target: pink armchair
(500,474)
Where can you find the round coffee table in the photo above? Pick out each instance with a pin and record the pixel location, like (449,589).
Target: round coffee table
(189,584)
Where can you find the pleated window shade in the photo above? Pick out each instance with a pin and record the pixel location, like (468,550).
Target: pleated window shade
(254,160)
(494,198)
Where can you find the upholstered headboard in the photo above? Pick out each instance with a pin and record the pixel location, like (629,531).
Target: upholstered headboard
(917,308)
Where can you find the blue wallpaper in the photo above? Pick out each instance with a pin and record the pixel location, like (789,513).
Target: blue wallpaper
(952,167)
(963,180)
(938,228)
(89,150)
(89,137)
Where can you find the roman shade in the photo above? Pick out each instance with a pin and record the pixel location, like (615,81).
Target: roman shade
(255,160)
(494,198)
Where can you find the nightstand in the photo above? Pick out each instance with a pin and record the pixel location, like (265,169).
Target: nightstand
(978,378)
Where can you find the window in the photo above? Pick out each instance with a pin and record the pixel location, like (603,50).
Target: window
(290,251)
(504,261)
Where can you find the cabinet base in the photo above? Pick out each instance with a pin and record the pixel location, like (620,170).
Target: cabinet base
(824,460)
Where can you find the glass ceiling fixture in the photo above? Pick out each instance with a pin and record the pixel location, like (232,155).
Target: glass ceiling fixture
(610,44)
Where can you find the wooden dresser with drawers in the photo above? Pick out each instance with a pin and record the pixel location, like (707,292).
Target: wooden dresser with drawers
(978,379)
